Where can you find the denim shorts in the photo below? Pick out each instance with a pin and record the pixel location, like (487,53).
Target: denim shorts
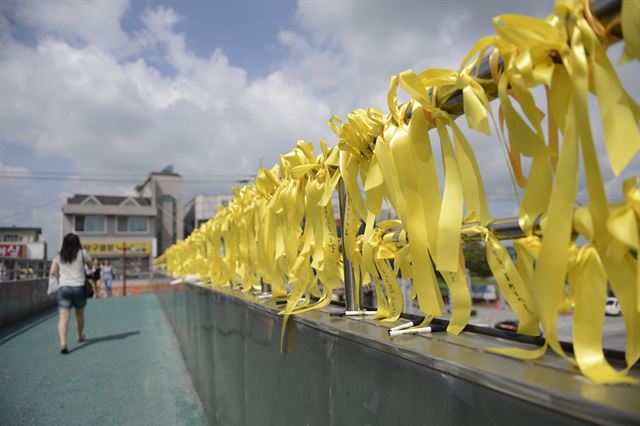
(71,296)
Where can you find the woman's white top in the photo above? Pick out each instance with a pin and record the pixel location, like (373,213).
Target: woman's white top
(72,274)
(107,272)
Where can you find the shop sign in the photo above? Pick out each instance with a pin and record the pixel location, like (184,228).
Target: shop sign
(13,250)
(101,248)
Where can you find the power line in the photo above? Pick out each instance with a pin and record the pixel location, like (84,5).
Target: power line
(246,180)
(71,178)
(118,174)
(10,215)
(67,178)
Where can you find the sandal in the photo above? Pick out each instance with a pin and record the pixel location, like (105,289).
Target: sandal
(80,338)
(64,350)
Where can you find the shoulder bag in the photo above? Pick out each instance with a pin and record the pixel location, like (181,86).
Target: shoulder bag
(88,288)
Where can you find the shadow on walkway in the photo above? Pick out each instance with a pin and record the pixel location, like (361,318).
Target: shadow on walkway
(12,331)
(120,336)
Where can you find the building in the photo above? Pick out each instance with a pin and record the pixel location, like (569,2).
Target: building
(202,208)
(114,227)
(129,230)
(22,254)
(164,189)
(22,242)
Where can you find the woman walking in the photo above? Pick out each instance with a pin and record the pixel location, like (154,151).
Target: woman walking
(69,267)
(107,276)
(94,275)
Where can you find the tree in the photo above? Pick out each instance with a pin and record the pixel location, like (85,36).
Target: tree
(476,259)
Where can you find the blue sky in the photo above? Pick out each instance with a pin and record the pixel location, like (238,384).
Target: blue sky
(247,31)
(213,87)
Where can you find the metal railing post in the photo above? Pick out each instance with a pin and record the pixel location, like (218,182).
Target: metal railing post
(606,11)
(264,287)
(265,290)
(351,302)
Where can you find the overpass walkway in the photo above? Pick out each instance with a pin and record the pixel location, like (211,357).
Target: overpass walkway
(129,371)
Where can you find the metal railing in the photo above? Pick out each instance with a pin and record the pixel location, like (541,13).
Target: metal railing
(23,269)
(606,11)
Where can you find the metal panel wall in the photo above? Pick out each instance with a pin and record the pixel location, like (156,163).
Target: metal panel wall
(22,299)
(336,372)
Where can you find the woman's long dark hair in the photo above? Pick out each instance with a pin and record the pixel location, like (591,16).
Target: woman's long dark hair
(70,248)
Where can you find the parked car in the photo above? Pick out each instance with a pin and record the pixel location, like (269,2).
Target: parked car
(483,292)
(508,325)
(612,307)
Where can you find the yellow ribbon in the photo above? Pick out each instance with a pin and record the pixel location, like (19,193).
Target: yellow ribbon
(281,229)
(588,277)
(623,226)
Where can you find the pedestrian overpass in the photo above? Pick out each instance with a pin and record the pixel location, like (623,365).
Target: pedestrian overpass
(197,355)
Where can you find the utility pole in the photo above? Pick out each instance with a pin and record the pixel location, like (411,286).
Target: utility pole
(124,269)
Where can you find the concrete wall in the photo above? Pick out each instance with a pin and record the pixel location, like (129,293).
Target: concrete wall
(23,299)
(341,371)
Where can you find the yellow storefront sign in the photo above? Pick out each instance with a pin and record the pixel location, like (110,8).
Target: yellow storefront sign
(99,248)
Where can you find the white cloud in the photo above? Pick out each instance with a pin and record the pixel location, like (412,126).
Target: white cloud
(103,113)
(95,23)
(91,93)
(13,171)
(347,51)
(71,97)
(293,41)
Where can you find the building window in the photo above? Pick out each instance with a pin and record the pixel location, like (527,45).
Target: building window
(11,238)
(136,224)
(79,224)
(92,224)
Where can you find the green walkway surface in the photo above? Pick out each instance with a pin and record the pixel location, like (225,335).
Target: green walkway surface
(129,371)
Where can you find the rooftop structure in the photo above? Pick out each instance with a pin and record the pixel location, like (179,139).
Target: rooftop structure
(201,208)
(22,234)
(129,229)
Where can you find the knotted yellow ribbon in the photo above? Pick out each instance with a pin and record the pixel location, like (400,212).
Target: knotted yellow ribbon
(623,226)
(588,277)
(281,229)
